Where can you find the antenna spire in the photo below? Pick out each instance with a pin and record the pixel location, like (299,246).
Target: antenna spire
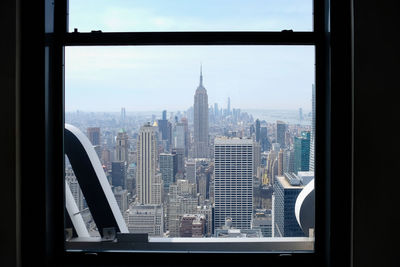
(201,74)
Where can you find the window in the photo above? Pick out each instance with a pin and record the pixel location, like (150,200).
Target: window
(201,38)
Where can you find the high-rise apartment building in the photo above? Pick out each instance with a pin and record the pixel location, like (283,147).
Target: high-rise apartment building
(233,178)
(146,164)
(201,149)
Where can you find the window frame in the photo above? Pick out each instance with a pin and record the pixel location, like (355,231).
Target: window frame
(330,117)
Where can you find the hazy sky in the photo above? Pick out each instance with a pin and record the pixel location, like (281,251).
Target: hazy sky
(142,78)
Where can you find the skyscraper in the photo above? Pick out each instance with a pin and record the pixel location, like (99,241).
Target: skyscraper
(281,128)
(286,189)
(118,174)
(167,169)
(233,192)
(265,145)
(146,163)
(122,147)
(123,118)
(201,121)
(312,135)
(165,128)
(191,171)
(187,135)
(178,136)
(258,126)
(302,152)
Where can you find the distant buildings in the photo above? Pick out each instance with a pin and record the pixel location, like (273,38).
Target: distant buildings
(122,147)
(258,130)
(121,196)
(118,174)
(93,134)
(165,128)
(281,128)
(181,200)
(192,225)
(145,219)
(167,169)
(263,222)
(76,191)
(190,170)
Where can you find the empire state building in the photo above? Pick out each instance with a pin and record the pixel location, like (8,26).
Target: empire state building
(201,121)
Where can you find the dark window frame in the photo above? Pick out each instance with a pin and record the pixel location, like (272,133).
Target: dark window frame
(334,67)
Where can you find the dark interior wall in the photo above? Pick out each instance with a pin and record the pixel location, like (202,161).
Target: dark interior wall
(8,178)
(376,142)
(376,146)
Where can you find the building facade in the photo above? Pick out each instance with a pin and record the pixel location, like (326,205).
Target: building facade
(286,189)
(146,164)
(233,182)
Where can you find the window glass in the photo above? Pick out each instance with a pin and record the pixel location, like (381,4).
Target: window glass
(198,141)
(190,15)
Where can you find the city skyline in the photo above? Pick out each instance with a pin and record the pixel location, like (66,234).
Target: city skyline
(149,78)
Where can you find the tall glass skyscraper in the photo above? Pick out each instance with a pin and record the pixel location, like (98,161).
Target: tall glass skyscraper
(302,152)
(201,121)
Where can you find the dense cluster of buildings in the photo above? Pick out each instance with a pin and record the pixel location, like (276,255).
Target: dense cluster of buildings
(206,172)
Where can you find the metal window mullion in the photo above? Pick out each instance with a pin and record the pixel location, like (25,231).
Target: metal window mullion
(190,38)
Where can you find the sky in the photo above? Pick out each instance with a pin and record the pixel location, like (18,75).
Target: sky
(151,78)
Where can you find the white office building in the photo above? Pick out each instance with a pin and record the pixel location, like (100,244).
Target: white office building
(233,190)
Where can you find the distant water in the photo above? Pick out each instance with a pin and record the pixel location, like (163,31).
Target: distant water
(288,116)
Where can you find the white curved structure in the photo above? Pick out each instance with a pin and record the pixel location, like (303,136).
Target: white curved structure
(305,206)
(102,179)
(73,211)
